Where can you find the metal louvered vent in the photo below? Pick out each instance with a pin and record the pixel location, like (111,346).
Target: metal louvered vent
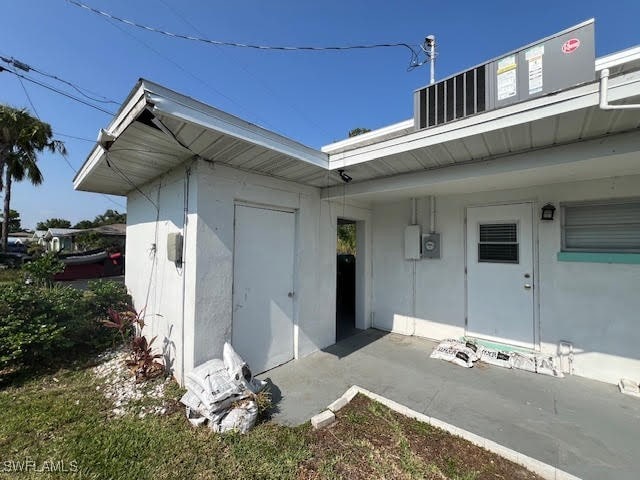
(547,66)
(454,98)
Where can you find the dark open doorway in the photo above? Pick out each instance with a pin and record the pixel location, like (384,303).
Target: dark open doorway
(346,259)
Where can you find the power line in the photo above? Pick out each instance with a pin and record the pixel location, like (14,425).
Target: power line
(27,68)
(33,107)
(193,75)
(74,170)
(53,89)
(257,78)
(414,53)
(58,134)
(114,167)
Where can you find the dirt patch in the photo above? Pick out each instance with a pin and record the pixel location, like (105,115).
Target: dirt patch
(368,440)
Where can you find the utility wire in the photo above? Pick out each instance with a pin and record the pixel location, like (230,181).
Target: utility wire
(257,78)
(194,76)
(414,53)
(53,89)
(64,155)
(33,107)
(58,134)
(111,164)
(27,68)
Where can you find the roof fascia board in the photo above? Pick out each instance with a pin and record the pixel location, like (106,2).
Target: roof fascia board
(380,132)
(585,96)
(171,103)
(548,156)
(618,58)
(128,112)
(607,61)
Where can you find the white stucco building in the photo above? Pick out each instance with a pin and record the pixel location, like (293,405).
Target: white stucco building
(257,212)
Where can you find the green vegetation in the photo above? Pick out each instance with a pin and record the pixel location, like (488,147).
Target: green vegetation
(66,418)
(347,238)
(53,223)
(42,324)
(22,138)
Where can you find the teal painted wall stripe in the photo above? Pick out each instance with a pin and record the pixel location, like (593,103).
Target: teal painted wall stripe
(596,257)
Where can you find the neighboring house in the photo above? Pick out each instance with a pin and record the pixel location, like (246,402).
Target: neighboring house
(38,237)
(231,231)
(115,235)
(61,239)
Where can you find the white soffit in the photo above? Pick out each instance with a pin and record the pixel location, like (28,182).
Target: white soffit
(567,116)
(144,150)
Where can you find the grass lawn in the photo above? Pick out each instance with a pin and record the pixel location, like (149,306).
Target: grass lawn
(65,417)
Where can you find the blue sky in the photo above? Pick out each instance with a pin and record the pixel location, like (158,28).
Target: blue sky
(315,98)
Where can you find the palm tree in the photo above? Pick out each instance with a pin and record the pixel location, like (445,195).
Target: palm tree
(22,137)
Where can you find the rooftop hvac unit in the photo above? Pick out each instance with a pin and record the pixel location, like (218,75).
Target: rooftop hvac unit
(555,63)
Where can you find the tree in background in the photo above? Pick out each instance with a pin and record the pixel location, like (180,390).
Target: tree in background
(53,223)
(22,138)
(84,224)
(347,238)
(109,217)
(14,221)
(358,131)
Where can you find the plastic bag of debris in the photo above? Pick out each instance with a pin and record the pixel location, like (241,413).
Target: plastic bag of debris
(218,388)
(211,384)
(455,351)
(241,418)
(495,357)
(535,364)
(239,371)
(629,387)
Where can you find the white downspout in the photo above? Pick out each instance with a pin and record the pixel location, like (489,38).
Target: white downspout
(604,92)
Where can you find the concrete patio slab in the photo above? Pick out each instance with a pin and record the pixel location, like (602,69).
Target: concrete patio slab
(583,427)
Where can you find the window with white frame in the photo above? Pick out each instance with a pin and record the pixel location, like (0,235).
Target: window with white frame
(606,226)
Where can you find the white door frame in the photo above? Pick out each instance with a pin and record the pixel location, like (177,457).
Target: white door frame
(296,261)
(535,262)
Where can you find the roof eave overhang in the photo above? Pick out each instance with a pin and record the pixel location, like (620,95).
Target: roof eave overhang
(135,103)
(163,103)
(621,87)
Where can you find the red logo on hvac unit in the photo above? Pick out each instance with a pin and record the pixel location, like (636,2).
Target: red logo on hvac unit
(571,45)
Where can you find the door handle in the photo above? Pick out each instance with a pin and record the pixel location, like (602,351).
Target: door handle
(290,294)
(527,286)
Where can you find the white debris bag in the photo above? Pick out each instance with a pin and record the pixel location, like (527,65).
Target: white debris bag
(215,387)
(629,387)
(241,419)
(495,357)
(535,364)
(455,351)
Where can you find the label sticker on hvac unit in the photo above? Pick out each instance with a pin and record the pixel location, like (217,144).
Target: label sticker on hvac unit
(533,56)
(507,77)
(571,45)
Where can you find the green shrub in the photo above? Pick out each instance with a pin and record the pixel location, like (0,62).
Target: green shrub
(41,325)
(41,270)
(107,294)
(29,330)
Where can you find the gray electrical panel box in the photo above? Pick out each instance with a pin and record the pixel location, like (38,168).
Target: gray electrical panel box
(174,247)
(555,63)
(412,242)
(431,245)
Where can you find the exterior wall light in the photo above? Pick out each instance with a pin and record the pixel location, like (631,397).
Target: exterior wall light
(548,211)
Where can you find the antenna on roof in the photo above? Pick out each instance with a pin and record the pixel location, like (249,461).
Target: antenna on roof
(430,49)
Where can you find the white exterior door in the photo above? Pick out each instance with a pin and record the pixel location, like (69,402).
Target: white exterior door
(263,263)
(500,282)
